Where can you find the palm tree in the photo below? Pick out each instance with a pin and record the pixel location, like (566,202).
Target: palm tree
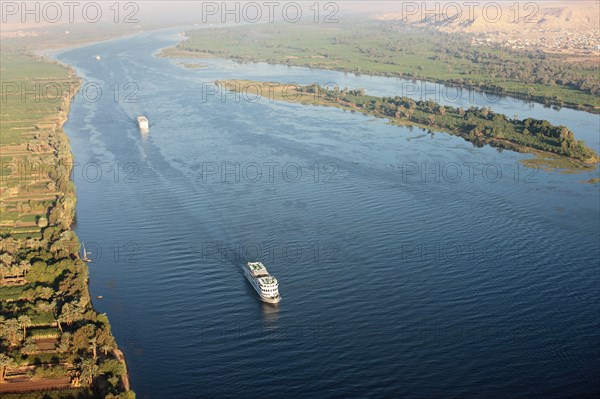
(46,292)
(69,313)
(4,270)
(65,342)
(6,259)
(25,322)
(113,381)
(32,243)
(11,329)
(5,363)
(15,271)
(45,306)
(88,371)
(106,348)
(94,348)
(30,346)
(24,266)
(10,245)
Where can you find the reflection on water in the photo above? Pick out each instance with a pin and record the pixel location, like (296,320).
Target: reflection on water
(270,313)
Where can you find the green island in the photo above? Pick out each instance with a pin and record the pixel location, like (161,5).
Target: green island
(53,344)
(555,146)
(388,49)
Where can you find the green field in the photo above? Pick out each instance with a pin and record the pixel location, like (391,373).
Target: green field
(35,97)
(380,48)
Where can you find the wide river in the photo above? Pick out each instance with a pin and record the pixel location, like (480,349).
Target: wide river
(411,264)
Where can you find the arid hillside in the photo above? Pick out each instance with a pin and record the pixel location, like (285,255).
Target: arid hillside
(553,26)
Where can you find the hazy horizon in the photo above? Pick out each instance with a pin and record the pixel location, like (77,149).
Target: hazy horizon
(192,12)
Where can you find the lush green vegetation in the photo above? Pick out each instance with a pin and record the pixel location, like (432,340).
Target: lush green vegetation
(71,393)
(47,320)
(50,336)
(80,393)
(385,48)
(478,125)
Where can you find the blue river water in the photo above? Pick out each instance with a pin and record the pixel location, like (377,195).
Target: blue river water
(411,263)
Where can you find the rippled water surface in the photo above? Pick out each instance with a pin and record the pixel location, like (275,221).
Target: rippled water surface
(411,264)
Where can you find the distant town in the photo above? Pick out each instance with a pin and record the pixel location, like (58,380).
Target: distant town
(550,39)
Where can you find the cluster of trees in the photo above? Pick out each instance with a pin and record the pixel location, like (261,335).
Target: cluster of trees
(531,68)
(14,331)
(10,265)
(56,244)
(85,343)
(8,269)
(480,125)
(30,206)
(495,64)
(56,298)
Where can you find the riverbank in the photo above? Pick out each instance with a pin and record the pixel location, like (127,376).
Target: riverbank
(553,146)
(45,294)
(384,49)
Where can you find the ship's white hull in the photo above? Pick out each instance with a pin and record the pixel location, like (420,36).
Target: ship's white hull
(254,284)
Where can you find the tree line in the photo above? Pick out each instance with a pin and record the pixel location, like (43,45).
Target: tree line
(479,125)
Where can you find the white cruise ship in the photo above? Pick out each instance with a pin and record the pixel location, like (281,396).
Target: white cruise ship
(143,123)
(265,284)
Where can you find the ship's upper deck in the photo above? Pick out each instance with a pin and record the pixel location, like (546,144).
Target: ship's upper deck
(257,269)
(268,281)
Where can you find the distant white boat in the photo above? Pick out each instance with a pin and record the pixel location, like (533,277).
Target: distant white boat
(98,58)
(143,123)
